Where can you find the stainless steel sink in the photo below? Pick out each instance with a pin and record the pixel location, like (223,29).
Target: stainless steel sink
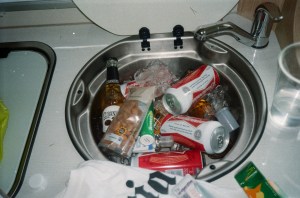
(245,89)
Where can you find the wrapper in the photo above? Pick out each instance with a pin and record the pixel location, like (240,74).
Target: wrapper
(122,133)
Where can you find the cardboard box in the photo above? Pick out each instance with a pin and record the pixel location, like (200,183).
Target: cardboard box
(254,183)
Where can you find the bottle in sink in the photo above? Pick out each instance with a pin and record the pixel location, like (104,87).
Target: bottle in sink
(113,97)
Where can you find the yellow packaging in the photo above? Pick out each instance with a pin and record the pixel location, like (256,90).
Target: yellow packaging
(255,184)
(3,125)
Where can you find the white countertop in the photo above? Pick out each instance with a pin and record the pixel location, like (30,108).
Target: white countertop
(53,153)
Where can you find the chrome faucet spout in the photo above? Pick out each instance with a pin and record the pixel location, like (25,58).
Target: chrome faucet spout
(226,28)
(265,15)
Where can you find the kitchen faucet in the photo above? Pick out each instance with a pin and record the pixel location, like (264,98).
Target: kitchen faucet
(265,15)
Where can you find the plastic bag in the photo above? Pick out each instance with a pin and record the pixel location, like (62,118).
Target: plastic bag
(189,187)
(4,114)
(156,73)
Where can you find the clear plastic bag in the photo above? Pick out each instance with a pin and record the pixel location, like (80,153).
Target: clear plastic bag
(124,129)
(156,73)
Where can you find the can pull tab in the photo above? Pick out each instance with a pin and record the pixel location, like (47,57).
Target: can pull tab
(144,34)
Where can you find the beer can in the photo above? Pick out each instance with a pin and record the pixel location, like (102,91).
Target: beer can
(196,133)
(180,96)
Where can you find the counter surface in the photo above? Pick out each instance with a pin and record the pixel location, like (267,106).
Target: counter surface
(54,155)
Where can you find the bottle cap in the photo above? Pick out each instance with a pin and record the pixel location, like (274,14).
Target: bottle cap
(225,117)
(112,69)
(147,139)
(177,101)
(112,62)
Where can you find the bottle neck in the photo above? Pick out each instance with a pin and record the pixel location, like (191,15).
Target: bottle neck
(112,74)
(113,81)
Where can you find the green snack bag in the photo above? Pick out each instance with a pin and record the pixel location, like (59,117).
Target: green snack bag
(3,125)
(254,183)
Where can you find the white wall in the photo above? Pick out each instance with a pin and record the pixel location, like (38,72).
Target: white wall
(32,1)
(21,5)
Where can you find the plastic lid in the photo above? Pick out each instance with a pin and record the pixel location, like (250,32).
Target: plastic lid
(177,101)
(126,17)
(147,139)
(225,117)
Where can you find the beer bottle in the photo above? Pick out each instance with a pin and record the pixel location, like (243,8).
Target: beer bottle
(113,98)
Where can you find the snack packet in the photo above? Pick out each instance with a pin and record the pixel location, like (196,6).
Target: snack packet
(122,133)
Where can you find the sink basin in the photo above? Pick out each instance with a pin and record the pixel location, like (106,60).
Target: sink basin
(245,89)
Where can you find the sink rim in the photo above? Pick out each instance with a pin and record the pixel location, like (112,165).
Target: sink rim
(229,165)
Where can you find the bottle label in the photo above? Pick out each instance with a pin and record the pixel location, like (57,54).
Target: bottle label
(108,114)
(114,138)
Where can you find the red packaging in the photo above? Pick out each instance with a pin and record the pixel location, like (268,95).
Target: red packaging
(126,86)
(173,162)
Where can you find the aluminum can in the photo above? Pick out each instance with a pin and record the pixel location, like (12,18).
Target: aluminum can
(173,162)
(196,133)
(180,96)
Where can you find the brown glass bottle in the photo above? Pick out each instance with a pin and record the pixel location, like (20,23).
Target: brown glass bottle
(201,109)
(113,97)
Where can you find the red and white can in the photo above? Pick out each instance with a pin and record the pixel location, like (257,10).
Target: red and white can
(180,96)
(173,162)
(196,133)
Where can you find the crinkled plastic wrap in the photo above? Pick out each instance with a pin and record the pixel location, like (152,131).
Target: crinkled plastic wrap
(156,73)
(3,125)
(123,131)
